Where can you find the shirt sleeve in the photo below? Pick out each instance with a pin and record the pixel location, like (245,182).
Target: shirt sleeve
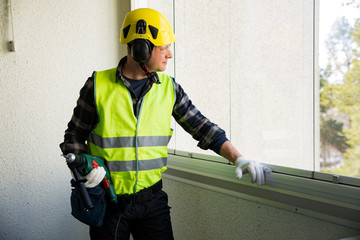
(208,134)
(83,120)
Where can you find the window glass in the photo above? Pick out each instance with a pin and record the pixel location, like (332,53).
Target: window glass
(339,62)
(248,67)
(280,77)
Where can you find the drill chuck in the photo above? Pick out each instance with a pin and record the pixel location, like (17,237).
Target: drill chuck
(73,159)
(70,158)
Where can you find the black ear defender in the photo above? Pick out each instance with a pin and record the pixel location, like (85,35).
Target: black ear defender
(141,49)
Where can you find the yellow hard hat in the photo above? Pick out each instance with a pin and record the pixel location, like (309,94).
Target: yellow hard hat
(146,23)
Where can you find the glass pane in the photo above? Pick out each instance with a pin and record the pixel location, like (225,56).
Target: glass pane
(280,77)
(201,33)
(339,63)
(272,81)
(248,66)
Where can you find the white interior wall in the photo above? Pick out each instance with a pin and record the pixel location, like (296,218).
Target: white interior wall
(58,46)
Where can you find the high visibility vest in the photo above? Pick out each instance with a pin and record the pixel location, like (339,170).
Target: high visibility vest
(135,149)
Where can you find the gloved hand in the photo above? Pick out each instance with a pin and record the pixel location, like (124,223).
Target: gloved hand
(94,177)
(255,169)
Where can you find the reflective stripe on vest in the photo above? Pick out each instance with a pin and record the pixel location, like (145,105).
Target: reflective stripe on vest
(126,166)
(135,149)
(119,142)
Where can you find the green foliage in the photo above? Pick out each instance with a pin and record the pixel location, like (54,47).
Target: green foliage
(326,91)
(349,102)
(350,167)
(356,33)
(342,96)
(331,133)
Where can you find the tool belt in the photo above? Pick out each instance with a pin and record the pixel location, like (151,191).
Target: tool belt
(95,216)
(141,196)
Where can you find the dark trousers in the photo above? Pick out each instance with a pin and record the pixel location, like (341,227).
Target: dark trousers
(145,215)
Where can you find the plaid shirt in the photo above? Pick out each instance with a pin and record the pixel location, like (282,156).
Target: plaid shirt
(85,117)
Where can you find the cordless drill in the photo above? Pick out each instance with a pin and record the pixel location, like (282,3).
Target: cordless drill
(83,164)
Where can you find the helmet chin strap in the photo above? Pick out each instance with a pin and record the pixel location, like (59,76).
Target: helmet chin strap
(151,75)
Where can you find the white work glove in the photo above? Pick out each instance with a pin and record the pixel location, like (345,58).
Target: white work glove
(94,177)
(255,169)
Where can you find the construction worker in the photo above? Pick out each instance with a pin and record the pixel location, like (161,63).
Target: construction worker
(124,116)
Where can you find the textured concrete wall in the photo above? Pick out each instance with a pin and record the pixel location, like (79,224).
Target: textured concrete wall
(58,45)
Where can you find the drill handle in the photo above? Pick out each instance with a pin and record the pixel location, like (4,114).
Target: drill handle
(81,189)
(74,161)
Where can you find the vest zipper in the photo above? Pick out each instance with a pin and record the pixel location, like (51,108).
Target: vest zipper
(140,100)
(137,145)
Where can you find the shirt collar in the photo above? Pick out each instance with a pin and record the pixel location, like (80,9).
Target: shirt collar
(119,75)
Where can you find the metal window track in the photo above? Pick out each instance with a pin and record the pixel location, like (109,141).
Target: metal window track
(329,197)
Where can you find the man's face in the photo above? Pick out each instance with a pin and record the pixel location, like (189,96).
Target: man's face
(159,58)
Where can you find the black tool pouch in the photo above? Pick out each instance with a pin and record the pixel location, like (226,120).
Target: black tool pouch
(95,216)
